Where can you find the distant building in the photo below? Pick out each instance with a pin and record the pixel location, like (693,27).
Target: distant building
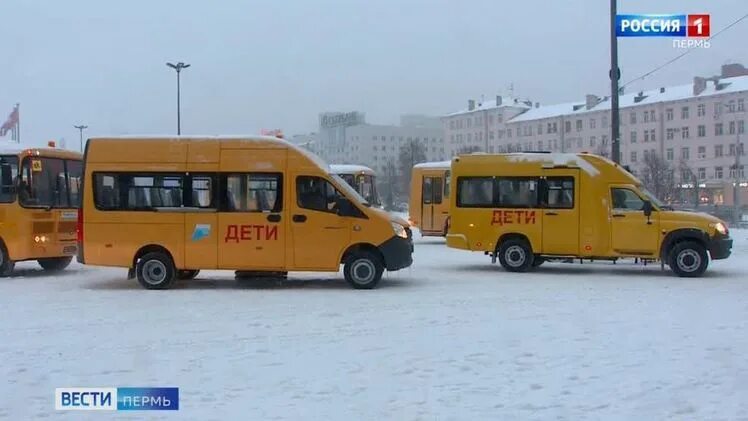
(346,138)
(699,128)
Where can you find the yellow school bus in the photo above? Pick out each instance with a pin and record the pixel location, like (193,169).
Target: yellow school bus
(428,207)
(526,208)
(361,178)
(39,197)
(168,207)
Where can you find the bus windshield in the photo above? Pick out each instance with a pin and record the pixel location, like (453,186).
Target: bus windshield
(50,182)
(350,191)
(8,177)
(365,185)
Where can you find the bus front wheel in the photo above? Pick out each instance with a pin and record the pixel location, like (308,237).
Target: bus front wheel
(156,271)
(6,265)
(363,270)
(55,264)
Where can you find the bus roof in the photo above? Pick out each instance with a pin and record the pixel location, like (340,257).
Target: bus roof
(435,165)
(257,140)
(43,152)
(351,169)
(592,165)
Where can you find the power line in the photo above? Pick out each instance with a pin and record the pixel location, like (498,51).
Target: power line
(678,57)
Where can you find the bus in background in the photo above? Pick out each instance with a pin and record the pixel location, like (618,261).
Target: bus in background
(429,198)
(361,178)
(39,198)
(166,208)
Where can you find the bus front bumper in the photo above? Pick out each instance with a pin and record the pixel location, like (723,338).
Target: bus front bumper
(397,252)
(720,247)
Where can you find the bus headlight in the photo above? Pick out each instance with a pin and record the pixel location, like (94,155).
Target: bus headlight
(721,228)
(399,230)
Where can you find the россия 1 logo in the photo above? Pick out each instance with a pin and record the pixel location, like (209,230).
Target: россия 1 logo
(696,28)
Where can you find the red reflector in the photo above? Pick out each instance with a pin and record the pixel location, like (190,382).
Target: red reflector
(79,227)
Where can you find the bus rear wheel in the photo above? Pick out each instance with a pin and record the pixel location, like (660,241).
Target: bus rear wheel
(6,265)
(156,271)
(515,255)
(55,264)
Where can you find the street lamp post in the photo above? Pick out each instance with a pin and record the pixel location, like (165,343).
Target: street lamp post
(615,75)
(178,67)
(80,129)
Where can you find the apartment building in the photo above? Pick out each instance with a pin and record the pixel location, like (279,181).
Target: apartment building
(699,128)
(346,138)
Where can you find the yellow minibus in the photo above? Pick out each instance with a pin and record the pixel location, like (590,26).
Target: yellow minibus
(167,207)
(361,178)
(429,198)
(39,197)
(527,208)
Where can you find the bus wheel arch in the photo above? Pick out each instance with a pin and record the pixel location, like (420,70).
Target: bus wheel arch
(154,267)
(363,265)
(6,264)
(515,252)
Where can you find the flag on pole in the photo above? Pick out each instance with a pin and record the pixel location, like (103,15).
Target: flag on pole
(11,124)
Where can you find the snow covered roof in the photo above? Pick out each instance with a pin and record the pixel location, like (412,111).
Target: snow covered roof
(555,159)
(671,93)
(441,164)
(491,104)
(350,169)
(10,151)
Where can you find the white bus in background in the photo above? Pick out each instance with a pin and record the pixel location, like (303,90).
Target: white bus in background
(361,178)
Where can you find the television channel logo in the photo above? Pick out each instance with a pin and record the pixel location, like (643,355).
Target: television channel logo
(117,399)
(695,28)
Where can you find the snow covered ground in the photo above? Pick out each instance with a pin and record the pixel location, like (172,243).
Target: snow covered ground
(453,337)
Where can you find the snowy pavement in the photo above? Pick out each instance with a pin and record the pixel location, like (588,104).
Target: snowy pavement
(452,337)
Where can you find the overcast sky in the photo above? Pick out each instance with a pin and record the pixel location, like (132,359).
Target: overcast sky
(278,63)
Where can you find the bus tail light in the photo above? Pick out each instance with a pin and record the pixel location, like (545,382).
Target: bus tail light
(79,227)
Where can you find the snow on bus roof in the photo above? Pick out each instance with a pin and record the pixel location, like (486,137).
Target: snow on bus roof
(555,159)
(350,168)
(440,164)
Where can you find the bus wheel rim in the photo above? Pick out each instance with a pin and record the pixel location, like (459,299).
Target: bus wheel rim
(515,256)
(154,272)
(363,271)
(689,260)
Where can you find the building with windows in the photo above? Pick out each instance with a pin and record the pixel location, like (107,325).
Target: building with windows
(698,128)
(346,138)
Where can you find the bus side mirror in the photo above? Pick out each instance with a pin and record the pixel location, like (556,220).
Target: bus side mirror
(647,208)
(344,206)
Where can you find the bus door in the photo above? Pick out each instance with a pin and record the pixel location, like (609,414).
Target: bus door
(431,200)
(251,218)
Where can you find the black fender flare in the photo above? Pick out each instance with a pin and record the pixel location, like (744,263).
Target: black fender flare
(682,234)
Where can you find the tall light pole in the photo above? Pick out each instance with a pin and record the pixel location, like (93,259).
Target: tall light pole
(178,67)
(615,75)
(80,129)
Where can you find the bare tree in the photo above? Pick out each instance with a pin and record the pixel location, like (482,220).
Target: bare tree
(658,177)
(693,176)
(412,152)
(388,185)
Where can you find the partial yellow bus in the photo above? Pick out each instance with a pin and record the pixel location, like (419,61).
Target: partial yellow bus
(526,208)
(429,198)
(361,178)
(168,207)
(39,198)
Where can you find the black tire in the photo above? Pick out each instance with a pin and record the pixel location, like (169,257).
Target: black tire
(363,270)
(6,265)
(186,275)
(156,271)
(515,255)
(688,259)
(537,261)
(55,264)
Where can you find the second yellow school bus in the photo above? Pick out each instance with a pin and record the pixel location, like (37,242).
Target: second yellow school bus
(168,207)
(429,198)
(39,197)
(525,208)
